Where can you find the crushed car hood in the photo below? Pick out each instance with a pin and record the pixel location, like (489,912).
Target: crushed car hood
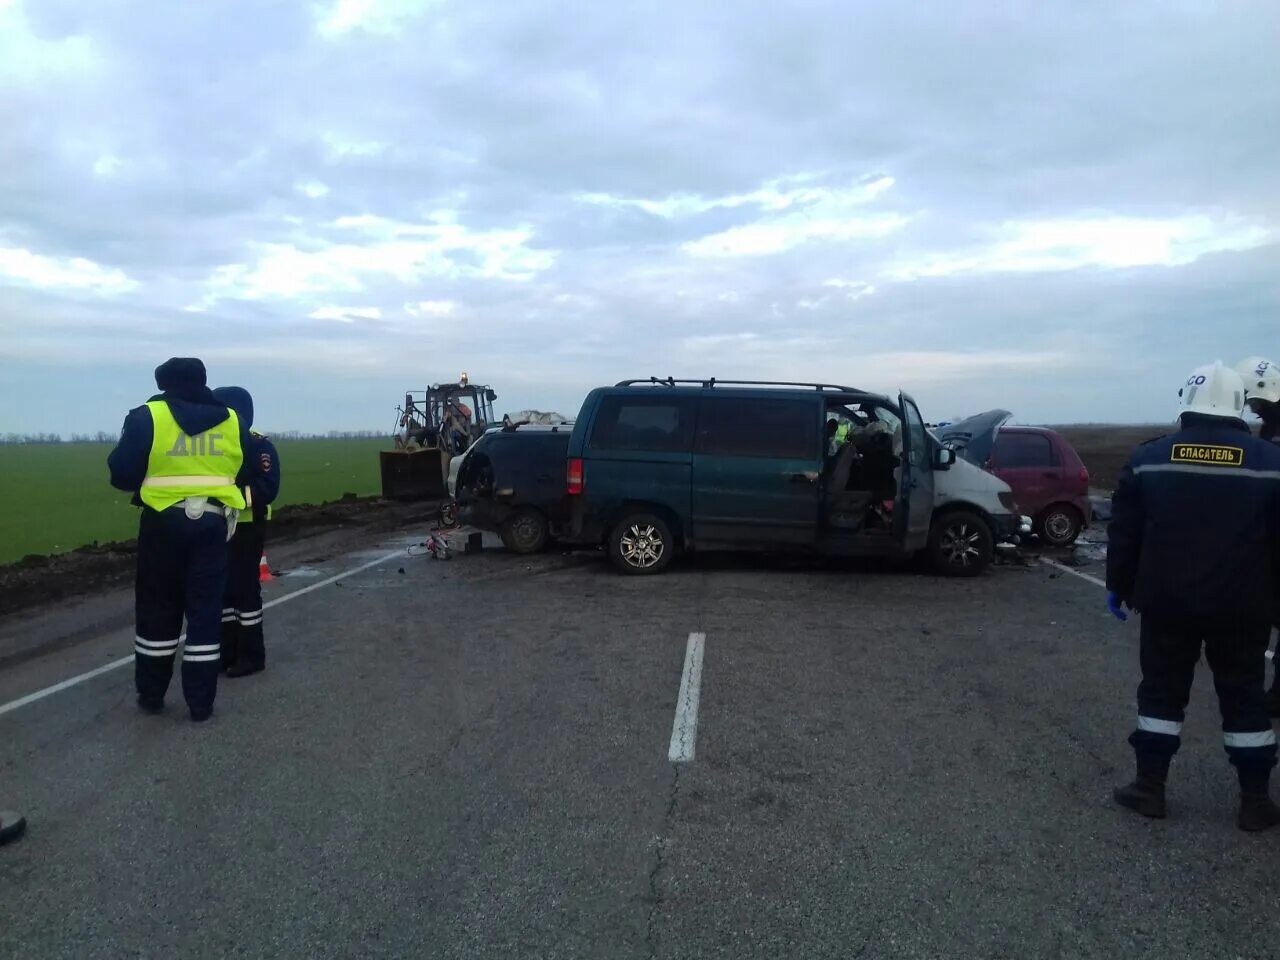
(975,437)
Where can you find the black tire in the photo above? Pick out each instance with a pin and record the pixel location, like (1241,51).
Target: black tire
(642,544)
(960,544)
(525,531)
(1060,525)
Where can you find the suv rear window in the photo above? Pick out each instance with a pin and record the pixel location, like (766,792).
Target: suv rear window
(1023,450)
(647,424)
(763,427)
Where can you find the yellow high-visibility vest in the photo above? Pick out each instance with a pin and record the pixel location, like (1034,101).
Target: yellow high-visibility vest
(181,466)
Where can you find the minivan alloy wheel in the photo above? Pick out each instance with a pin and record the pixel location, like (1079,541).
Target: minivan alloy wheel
(642,545)
(961,544)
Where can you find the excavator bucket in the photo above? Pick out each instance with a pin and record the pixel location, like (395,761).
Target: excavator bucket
(414,474)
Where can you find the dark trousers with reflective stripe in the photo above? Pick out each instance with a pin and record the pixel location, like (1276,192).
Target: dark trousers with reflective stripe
(242,602)
(182,566)
(1236,653)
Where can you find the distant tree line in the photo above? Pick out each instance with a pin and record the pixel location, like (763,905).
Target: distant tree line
(16,439)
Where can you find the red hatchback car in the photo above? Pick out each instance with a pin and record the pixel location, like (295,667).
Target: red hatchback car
(1049,480)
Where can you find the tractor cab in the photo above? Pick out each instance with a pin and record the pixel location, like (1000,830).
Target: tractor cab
(433,426)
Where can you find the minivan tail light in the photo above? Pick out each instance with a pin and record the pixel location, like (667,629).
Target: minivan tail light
(573,477)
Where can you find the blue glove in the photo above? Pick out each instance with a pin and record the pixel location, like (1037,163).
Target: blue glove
(1116,606)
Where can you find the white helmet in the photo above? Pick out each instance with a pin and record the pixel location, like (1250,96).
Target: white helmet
(1214,391)
(1261,379)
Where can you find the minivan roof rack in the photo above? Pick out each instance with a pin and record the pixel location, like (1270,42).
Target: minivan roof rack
(713,382)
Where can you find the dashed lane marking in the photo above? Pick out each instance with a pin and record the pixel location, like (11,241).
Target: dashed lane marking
(1075,573)
(684,731)
(123,661)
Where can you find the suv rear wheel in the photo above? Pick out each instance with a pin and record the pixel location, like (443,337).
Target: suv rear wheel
(642,543)
(525,531)
(960,544)
(1060,525)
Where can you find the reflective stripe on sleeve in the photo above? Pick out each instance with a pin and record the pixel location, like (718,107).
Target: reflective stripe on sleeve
(1170,728)
(1253,738)
(1206,471)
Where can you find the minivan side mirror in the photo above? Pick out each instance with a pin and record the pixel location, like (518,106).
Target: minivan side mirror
(944,458)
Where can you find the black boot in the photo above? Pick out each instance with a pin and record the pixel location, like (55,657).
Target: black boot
(251,653)
(150,705)
(1146,794)
(1257,812)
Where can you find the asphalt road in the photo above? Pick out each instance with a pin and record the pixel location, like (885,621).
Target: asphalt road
(470,759)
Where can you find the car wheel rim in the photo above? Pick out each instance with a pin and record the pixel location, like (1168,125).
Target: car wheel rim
(1058,526)
(642,546)
(960,545)
(526,530)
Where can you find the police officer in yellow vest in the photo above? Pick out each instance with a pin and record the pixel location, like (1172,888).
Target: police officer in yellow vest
(181,455)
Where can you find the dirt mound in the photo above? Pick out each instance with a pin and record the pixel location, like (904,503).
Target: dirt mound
(36,580)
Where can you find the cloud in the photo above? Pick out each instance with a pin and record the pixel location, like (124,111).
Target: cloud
(346,314)
(379,250)
(431,308)
(33,269)
(378,16)
(1105,242)
(963,198)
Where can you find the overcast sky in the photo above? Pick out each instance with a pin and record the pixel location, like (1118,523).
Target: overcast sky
(1056,208)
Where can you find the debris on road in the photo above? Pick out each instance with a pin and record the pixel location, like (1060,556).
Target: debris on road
(12,826)
(435,545)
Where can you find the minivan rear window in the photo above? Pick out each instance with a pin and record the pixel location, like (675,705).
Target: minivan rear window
(758,427)
(646,424)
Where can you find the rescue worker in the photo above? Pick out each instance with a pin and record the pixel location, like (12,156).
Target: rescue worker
(1262,393)
(1195,549)
(181,455)
(243,650)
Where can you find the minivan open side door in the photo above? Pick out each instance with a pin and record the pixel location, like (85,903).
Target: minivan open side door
(914,511)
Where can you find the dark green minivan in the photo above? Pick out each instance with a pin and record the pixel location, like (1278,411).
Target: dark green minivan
(658,467)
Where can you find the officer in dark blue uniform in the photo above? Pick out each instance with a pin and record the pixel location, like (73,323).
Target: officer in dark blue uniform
(1262,394)
(181,455)
(243,649)
(1195,548)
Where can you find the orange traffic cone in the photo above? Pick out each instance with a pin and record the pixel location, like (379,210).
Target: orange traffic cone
(264,571)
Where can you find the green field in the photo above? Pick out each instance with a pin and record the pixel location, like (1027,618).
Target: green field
(57,496)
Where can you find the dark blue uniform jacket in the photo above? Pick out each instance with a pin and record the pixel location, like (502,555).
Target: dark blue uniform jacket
(1195,528)
(260,455)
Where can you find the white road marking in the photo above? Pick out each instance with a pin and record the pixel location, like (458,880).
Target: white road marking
(1094,580)
(684,731)
(123,661)
(1075,573)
